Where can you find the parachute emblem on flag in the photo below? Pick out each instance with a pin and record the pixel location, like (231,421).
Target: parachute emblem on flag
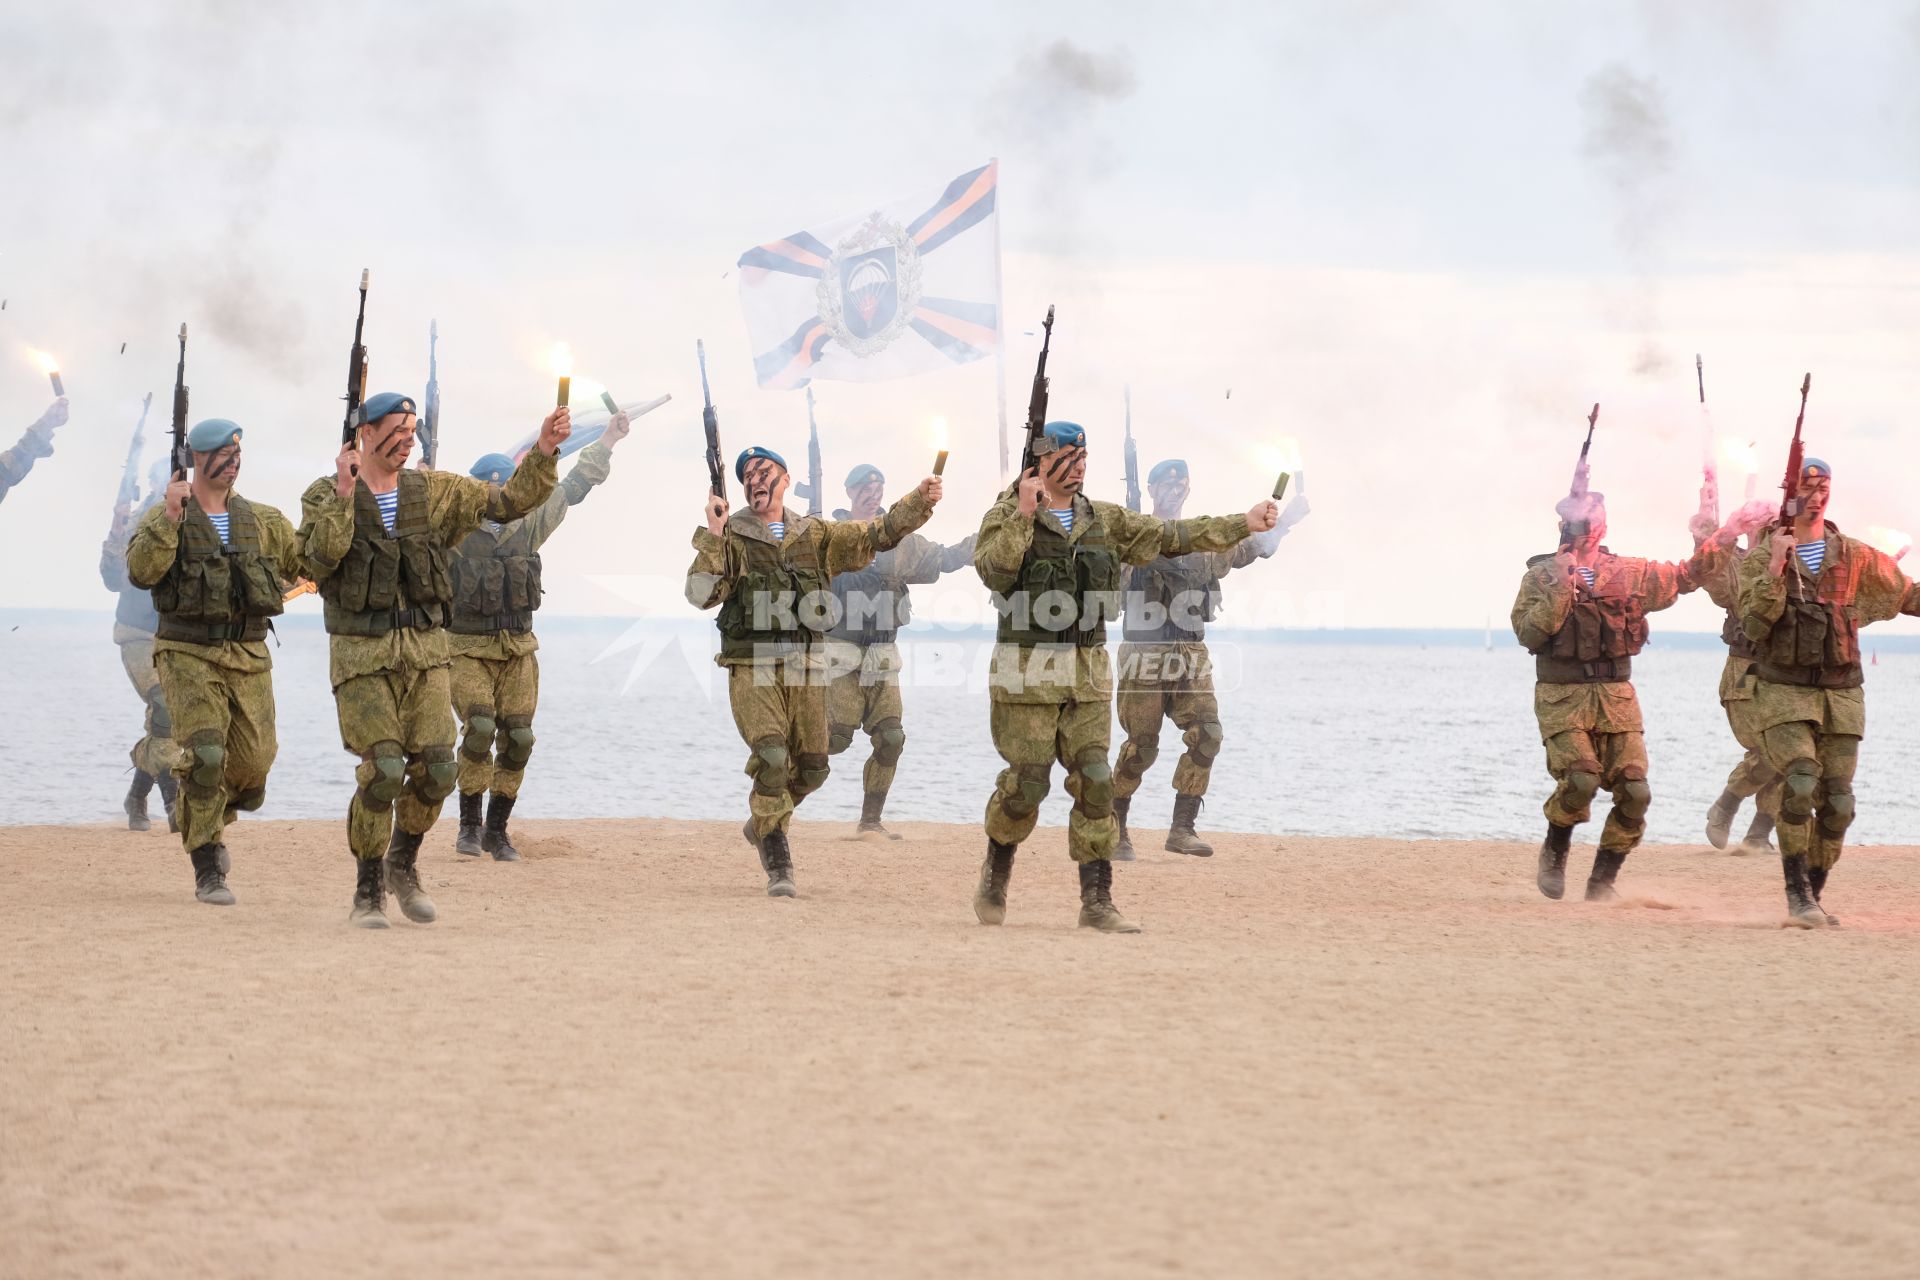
(871,286)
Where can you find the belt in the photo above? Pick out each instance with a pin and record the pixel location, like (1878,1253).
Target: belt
(1573,671)
(211,632)
(1848,677)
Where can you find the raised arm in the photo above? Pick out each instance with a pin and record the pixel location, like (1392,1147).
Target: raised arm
(852,544)
(1543,603)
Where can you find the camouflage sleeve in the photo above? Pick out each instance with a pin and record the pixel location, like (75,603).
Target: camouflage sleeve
(708,582)
(1660,584)
(278,540)
(326,529)
(113,559)
(17,461)
(1882,591)
(917,560)
(1720,579)
(1141,538)
(457,504)
(852,544)
(1762,594)
(958,556)
(1001,544)
(587,474)
(151,550)
(1542,606)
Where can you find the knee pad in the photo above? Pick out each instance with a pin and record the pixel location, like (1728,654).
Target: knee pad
(249,800)
(477,741)
(1207,737)
(839,738)
(1096,783)
(889,740)
(157,706)
(1836,815)
(1797,790)
(383,774)
(770,767)
(438,774)
(1631,800)
(810,774)
(515,747)
(206,761)
(1030,787)
(1145,751)
(1583,783)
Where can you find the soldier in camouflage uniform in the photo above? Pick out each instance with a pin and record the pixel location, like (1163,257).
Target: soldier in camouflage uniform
(1752,776)
(768,569)
(378,550)
(216,564)
(1805,592)
(495,675)
(35,444)
(1582,612)
(864,662)
(134,622)
(1166,672)
(1052,558)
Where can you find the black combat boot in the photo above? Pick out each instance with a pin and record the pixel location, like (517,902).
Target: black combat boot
(1802,908)
(1606,865)
(990,898)
(369,895)
(494,838)
(1123,852)
(777,860)
(209,882)
(870,815)
(136,801)
(1720,819)
(403,851)
(1817,885)
(1180,836)
(1553,861)
(467,839)
(1756,838)
(170,797)
(1096,900)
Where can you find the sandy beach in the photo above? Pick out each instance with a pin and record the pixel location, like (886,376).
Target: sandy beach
(1323,1057)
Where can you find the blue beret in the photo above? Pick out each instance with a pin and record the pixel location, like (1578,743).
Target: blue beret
(374,408)
(861,474)
(495,467)
(747,455)
(214,433)
(1810,465)
(1171,469)
(1066,435)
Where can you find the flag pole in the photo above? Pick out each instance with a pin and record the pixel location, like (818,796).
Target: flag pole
(1000,321)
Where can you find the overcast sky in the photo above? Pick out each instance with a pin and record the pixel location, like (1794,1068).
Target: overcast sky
(1422,238)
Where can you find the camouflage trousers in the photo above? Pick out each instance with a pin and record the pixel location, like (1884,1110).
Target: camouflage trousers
(1583,762)
(864,696)
(1814,799)
(400,723)
(1030,737)
(780,708)
(154,753)
(223,722)
(1753,775)
(1166,682)
(495,699)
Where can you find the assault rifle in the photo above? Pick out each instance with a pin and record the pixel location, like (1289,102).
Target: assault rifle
(1037,405)
(1133,457)
(182,456)
(428,428)
(1796,461)
(356,370)
(716,467)
(1709,468)
(130,476)
(811,489)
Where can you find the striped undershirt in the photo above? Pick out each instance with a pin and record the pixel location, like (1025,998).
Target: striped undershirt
(389,507)
(1064,517)
(778,528)
(220,523)
(1586,576)
(1812,555)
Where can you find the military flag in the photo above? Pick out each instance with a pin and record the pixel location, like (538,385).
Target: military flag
(908,287)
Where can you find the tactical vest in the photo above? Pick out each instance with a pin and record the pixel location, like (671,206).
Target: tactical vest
(870,606)
(389,580)
(1815,642)
(1172,600)
(1067,591)
(1603,631)
(1735,636)
(780,600)
(496,581)
(218,591)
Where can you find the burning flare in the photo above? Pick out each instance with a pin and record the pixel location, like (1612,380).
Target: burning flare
(940,434)
(48,365)
(561,360)
(1281,455)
